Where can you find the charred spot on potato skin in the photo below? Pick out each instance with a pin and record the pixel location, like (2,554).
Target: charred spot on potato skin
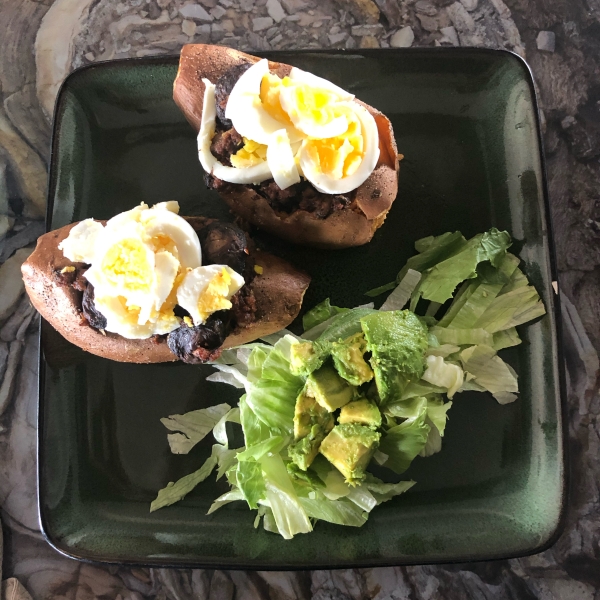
(195,345)
(223,88)
(375,194)
(92,315)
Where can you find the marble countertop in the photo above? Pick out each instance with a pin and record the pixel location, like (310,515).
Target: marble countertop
(41,41)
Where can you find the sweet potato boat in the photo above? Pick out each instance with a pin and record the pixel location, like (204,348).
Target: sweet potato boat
(278,291)
(352,225)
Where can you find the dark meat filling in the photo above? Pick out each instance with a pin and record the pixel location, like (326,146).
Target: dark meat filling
(224,244)
(93,316)
(225,144)
(199,344)
(300,196)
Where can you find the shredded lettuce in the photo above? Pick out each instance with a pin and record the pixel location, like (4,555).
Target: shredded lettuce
(403,442)
(441,280)
(175,491)
(192,427)
(320,313)
(290,517)
(443,374)
(488,369)
(401,295)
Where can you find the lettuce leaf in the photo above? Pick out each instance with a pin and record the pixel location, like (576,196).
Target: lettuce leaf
(401,295)
(251,483)
(462,337)
(320,313)
(383,492)
(403,442)
(443,374)
(441,280)
(505,339)
(290,517)
(513,308)
(232,496)
(340,512)
(176,491)
(488,369)
(272,395)
(192,427)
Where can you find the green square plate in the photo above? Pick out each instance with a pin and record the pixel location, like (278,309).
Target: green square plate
(466,121)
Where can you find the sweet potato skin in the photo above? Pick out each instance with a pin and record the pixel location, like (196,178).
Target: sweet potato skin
(278,291)
(351,226)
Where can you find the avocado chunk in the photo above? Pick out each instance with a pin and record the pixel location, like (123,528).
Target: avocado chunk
(397,341)
(305,358)
(348,357)
(312,423)
(349,447)
(328,388)
(363,412)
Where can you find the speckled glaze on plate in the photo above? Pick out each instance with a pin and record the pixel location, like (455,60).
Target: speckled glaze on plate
(466,121)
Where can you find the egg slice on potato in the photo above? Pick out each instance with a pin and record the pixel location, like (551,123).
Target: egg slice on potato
(307,124)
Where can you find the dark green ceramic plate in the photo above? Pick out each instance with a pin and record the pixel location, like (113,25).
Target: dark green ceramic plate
(466,121)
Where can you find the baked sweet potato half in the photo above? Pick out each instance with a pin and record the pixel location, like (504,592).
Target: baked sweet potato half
(269,300)
(300,213)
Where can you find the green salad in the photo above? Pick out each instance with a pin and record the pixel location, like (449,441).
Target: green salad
(361,386)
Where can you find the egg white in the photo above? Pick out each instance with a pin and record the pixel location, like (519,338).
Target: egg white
(327,184)
(246,111)
(281,161)
(80,244)
(195,283)
(248,175)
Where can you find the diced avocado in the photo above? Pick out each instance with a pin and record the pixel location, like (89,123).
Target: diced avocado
(349,448)
(363,412)
(397,341)
(312,423)
(307,413)
(349,360)
(328,388)
(304,359)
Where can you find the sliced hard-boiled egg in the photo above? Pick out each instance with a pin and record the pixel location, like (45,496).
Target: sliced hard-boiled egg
(137,260)
(80,245)
(312,111)
(341,164)
(251,174)
(247,112)
(299,76)
(280,158)
(206,290)
(168,231)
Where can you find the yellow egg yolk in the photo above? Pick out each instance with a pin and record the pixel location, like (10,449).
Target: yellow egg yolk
(339,156)
(126,263)
(252,153)
(164,243)
(213,297)
(270,87)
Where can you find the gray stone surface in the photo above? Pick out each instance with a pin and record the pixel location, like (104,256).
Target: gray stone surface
(560,42)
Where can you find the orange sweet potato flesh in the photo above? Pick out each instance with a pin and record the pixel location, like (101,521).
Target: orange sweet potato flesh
(351,226)
(279,291)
